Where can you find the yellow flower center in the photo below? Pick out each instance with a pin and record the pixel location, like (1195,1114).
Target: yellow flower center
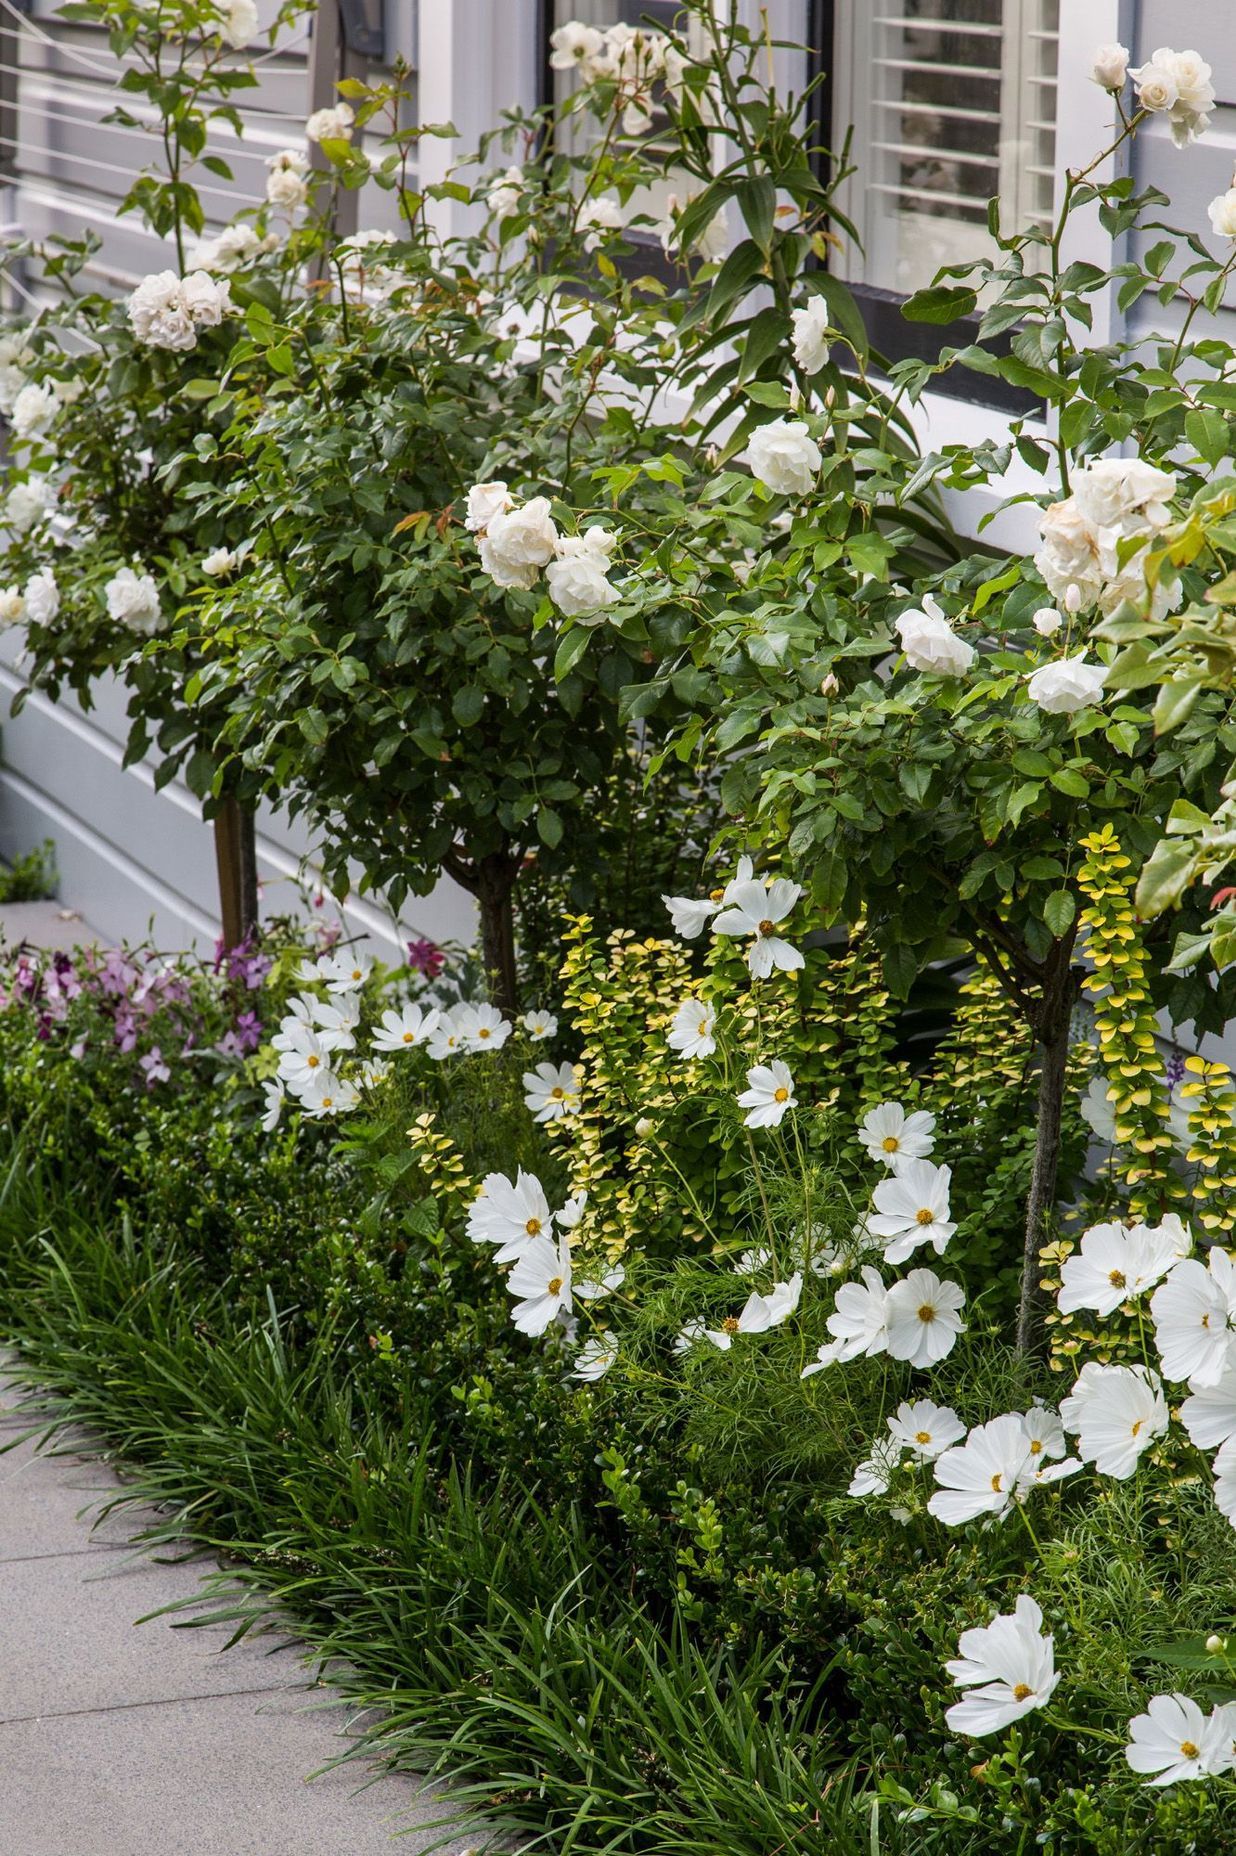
(926,1312)
(716,895)
(357,974)
(924,1216)
(409,1037)
(556,1094)
(1035,1447)
(781,1095)
(1117,1279)
(554,1284)
(922,1437)
(533,1227)
(1137,1427)
(312,1062)
(730,1324)
(1188,1749)
(1205,1321)
(997,1483)
(890,1143)
(328,1101)
(1021,1691)
(767,927)
(483,1032)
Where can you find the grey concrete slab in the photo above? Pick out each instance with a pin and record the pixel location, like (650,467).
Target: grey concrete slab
(59,1504)
(69,1640)
(219,1777)
(44,924)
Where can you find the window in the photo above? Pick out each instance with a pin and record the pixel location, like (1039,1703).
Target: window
(951,102)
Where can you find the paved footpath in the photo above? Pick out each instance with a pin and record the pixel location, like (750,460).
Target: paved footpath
(148,1741)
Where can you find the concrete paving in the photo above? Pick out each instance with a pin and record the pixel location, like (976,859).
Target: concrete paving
(119,1739)
(44,924)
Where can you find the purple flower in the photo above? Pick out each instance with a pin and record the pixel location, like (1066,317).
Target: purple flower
(156,1070)
(1174,1069)
(426,957)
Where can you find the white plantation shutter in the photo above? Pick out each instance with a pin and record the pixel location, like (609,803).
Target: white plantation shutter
(952,102)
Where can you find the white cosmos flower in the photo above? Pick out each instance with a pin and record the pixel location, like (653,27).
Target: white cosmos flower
(858,1323)
(344,972)
(482,1027)
(874,1474)
(926,1428)
(509,1214)
(755,909)
(1209,1413)
(1224,1467)
(449,1037)
(768,1095)
(552,1091)
(540,1026)
(374,1070)
(337,1021)
(596,1356)
(572,1212)
(302,1058)
(892,1136)
(1174,1740)
(328,1094)
(406,1028)
(923,1317)
(540,1280)
(1114,1265)
(1193,1319)
(1115,1412)
(930,644)
(759,1313)
(981,1476)
(604,1284)
(273,1108)
(691,1032)
(1008,1668)
(1067,685)
(784,457)
(911,1208)
(690,1333)
(690,916)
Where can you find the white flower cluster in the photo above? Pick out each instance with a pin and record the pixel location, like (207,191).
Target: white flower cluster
(39,601)
(1112,500)
(1176,84)
(331,125)
(16,356)
(748,907)
(234,249)
(133,601)
(632,58)
(365,278)
(167,311)
(286,185)
(239,23)
(517,541)
(514,1216)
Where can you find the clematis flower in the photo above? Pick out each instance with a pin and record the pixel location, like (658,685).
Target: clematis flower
(509,1214)
(406,1028)
(540,1280)
(768,1095)
(923,1316)
(755,909)
(1116,1412)
(927,1429)
(1174,1740)
(911,1207)
(1008,1668)
(552,1091)
(1194,1315)
(1114,1265)
(759,1313)
(892,1136)
(691,1032)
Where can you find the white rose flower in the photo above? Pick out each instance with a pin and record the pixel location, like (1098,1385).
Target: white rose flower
(12,605)
(599,216)
(42,597)
(1178,82)
(1222,211)
(133,600)
(504,193)
(220,563)
(159,315)
(1126,494)
(1110,67)
(518,543)
(1156,87)
(286,186)
(1067,685)
(784,457)
(1069,557)
(812,335)
(240,23)
(365,279)
(576,47)
(576,579)
(1047,621)
(15,358)
(27,503)
(235,247)
(33,411)
(331,125)
(485,501)
(207,301)
(930,644)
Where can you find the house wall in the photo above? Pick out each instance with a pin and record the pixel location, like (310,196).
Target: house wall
(133,860)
